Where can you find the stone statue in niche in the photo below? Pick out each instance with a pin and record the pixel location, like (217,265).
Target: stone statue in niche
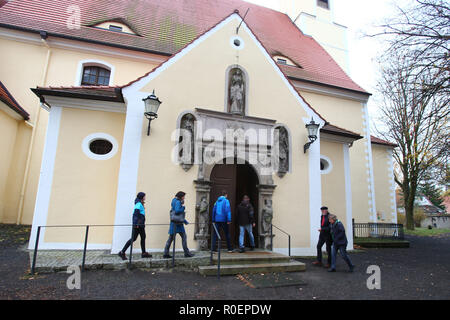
(202,217)
(186,141)
(283,156)
(236,92)
(267,215)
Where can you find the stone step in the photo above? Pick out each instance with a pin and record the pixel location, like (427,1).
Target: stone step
(290,266)
(250,258)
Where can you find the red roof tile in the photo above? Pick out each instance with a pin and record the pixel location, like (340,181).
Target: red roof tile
(376,140)
(166,26)
(9,100)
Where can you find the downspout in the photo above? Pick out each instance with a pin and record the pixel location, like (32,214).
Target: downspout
(34,126)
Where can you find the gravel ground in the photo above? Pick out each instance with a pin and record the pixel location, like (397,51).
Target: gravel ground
(418,272)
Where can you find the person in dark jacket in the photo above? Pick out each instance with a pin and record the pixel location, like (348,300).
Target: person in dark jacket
(221,216)
(138,227)
(245,219)
(178,206)
(324,238)
(339,243)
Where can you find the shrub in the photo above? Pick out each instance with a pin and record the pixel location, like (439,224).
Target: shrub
(419,216)
(401,219)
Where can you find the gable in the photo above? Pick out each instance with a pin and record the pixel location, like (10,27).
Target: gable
(196,77)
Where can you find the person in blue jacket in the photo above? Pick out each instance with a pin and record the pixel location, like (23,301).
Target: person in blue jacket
(178,206)
(339,243)
(138,227)
(221,216)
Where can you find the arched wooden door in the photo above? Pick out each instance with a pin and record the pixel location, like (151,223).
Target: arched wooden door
(238,180)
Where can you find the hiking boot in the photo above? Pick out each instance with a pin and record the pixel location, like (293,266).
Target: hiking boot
(146,255)
(241,250)
(351,269)
(188,255)
(317,263)
(167,256)
(122,255)
(331,270)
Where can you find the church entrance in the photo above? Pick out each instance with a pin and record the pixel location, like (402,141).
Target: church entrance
(238,180)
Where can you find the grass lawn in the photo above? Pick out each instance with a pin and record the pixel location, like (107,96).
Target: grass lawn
(423,232)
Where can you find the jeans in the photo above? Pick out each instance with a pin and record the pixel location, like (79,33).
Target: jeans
(140,230)
(224,227)
(183,242)
(242,229)
(344,255)
(324,239)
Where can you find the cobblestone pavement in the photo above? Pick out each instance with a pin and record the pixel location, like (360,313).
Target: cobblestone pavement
(419,272)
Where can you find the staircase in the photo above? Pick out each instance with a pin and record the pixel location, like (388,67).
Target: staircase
(258,261)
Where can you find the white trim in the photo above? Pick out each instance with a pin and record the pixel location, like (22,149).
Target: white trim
(82,46)
(95,136)
(330,164)
(46,175)
(370,163)
(97,63)
(129,165)
(71,246)
(242,43)
(303,252)
(348,197)
(315,191)
(13,114)
(86,104)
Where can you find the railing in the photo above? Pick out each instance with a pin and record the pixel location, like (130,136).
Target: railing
(271,238)
(87,227)
(219,240)
(378,230)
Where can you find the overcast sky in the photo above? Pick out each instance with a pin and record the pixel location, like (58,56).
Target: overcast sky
(359,16)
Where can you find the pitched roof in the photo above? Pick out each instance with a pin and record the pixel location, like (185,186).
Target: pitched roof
(379,141)
(332,129)
(166,26)
(9,100)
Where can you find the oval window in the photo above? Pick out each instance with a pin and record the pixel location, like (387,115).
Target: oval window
(100,146)
(325,165)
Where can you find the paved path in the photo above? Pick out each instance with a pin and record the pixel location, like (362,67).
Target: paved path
(419,272)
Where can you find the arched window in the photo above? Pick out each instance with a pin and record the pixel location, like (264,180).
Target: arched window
(95,76)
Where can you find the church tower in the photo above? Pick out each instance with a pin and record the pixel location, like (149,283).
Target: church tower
(316,18)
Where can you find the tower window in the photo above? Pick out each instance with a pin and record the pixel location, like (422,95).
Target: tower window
(323,4)
(95,76)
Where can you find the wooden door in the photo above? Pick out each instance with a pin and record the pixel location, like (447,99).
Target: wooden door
(223,177)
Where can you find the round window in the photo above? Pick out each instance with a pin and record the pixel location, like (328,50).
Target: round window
(325,165)
(100,146)
(237,43)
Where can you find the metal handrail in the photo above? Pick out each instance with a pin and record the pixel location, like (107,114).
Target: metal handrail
(38,232)
(271,238)
(214,229)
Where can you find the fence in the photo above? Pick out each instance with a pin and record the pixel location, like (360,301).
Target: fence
(378,230)
(86,237)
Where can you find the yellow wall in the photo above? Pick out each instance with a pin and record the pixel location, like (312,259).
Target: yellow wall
(333,183)
(194,81)
(84,190)
(348,114)
(384,193)
(23,66)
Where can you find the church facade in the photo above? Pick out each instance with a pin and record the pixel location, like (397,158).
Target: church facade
(236,101)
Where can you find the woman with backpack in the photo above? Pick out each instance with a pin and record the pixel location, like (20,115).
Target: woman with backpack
(138,227)
(177,213)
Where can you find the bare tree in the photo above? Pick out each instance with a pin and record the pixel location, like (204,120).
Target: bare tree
(415,114)
(421,32)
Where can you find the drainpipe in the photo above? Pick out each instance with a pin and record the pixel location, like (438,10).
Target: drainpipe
(34,126)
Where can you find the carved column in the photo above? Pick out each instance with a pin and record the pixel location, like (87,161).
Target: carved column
(265,214)
(202,233)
